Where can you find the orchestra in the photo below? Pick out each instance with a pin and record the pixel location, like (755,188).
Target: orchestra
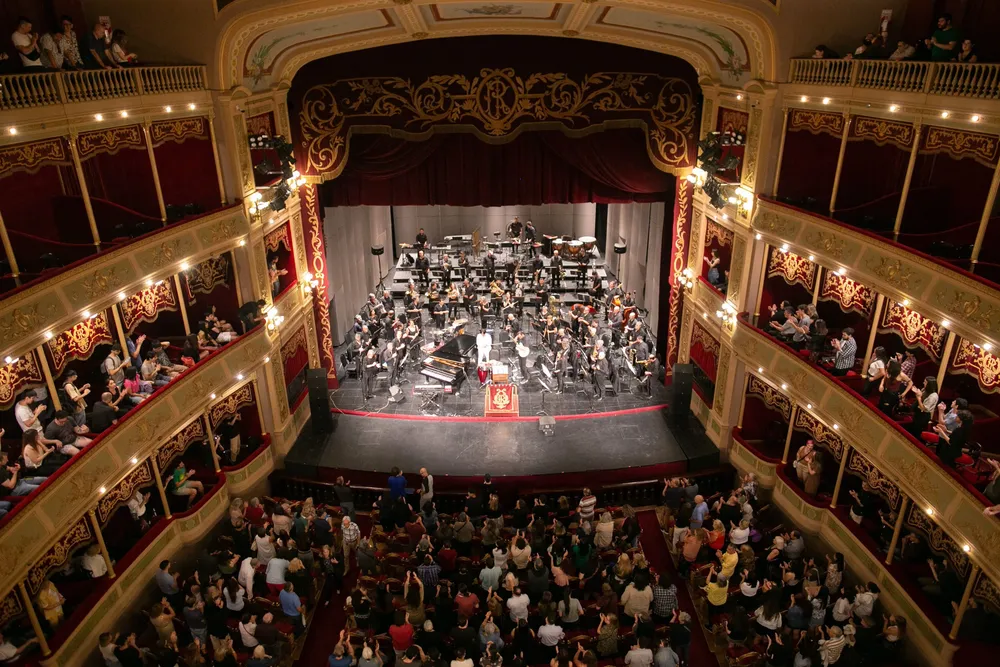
(597,341)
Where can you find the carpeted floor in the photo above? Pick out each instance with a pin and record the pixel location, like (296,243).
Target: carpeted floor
(658,555)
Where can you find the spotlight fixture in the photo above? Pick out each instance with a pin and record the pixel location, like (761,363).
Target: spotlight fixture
(12,131)
(826,100)
(975,118)
(98,117)
(945,114)
(893,108)
(124,114)
(803,99)
(192,106)
(168,108)
(946,323)
(712,164)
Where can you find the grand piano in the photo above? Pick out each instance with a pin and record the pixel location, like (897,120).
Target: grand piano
(450,362)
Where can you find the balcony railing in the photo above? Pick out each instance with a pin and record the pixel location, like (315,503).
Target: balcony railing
(981,81)
(25,91)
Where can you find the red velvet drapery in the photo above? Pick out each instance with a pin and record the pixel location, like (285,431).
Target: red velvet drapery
(808,166)
(187,173)
(534,168)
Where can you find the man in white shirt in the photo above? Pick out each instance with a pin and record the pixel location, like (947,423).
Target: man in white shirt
(26,43)
(137,504)
(518,606)
(550,634)
(50,45)
(484,343)
(26,412)
(9,651)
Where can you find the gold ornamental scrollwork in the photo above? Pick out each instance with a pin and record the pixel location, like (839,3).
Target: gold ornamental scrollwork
(145,304)
(881,132)
(32,157)
(892,271)
(206,276)
(137,478)
(58,554)
(494,104)
(109,141)
(816,122)
(228,406)
(849,294)
(178,130)
(820,433)
(974,360)
(937,540)
(13,376)
(983,148)
(681,234)
(174,447)
(721,386)
(827,243)
(79,341)
(792,268)
(10,607)
(876,478)
(914,329)
(771,397)
(24,321)
(717,233)
(968,307)
(291,347)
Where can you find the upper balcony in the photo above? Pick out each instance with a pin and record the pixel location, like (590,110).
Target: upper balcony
(979,81)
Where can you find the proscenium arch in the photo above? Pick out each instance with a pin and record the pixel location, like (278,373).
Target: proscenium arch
(244,26)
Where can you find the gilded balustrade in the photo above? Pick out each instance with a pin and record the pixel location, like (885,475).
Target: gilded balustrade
(975,80)
(24,91)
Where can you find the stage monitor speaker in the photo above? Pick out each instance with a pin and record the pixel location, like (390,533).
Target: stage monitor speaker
(396,394)
(680,394)
(319,400)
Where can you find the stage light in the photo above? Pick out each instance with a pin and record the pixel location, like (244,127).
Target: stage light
(945,114)
(185,266)
(124,114)
(98,117)
(121,296)
(758,237)
(893,108)
(803,99)
(826,100)
(12,131)
(212,397)
(168,108)
(930,511)
(192,106)
(975,118)
(946,323)
(784,247)
(239,376)
(987,347)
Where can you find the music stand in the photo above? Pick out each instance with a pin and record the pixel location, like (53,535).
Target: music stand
(378,251)
(545,389)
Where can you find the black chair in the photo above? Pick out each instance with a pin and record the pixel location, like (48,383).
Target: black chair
(50,260)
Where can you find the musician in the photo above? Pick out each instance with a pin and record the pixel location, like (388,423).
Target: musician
(518,298)
(453,298)
(550,332)
(390,359)
(537,266)
(469,297)
(614,292)
(562,366)
(359,323)
(401,346)
(371,308)
(484,344)
(496,292)
(600,368)
(629,300)
(521,346)
(369,371)
(411,302)
(596,286)
(651,372)
(490,265)
(638,351)
(463,264)
(512,266)
(512,326)
(423,267)
(484,310)
(421,239)
(615,318)
(542,292)
(446,268)
(433,295)
(366,336)
(529,238)
(514,229)
(355,349)
(556,268)
(440,313)
(388,304)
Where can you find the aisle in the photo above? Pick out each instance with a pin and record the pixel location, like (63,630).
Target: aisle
(655,549)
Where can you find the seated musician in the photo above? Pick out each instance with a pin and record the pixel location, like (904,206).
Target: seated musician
(388,304)
(355,348)
(446,268)
(614,292)
(463,265)
(421,238)
(556,268)
(542,292)
(423,268)
(506,305)
(518,297)
(529,238)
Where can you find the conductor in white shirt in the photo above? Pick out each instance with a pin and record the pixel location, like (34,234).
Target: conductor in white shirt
(484,343)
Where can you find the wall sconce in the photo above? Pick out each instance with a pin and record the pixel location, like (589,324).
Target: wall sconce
(698,176)
(273,320)
(744,200)
(309,283)
(727,314)
(686,279)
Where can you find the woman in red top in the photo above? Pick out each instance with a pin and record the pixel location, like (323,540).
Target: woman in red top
(402,633)
(254,514)
(716,536)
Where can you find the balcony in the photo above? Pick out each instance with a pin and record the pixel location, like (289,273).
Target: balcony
(28,530)
(31,91)
(53,302)
(979,81)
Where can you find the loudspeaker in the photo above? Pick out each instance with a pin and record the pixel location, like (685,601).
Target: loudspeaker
(396,394)
(319,400)
(680,394)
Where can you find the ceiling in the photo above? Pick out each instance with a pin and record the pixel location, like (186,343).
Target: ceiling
(265,42)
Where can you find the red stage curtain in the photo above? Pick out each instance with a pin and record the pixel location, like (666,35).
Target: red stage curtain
(808,166)
(187,173)
(461,170)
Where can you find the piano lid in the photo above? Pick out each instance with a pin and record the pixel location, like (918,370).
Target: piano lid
(456,349)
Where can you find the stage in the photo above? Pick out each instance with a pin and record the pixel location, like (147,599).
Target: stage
(458,446)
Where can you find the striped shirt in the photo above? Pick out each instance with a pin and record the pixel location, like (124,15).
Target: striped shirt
(587,505)
(845,355)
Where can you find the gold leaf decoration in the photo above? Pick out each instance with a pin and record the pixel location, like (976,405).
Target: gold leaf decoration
(881,132)
(816,122)
(178,130)
(145,304)
(850,295)
(25,371)
(137,478)
(79,341)
(32,156)
(229,405)
(977,362)
(792,268)
(876,478)
(174,447)
(58,554)
(109,141)
(772,398)
(914,329)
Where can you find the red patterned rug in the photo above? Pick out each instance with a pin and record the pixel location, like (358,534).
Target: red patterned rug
(501,401)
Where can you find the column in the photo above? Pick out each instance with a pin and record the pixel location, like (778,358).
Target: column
(8,250)
(781,151)
(964,604)
(84,191)
(119,328)
(818,284)
(156,174)
(985,219)
(180,301)
(914,150)
(763,279)
(159,486)
(949,345)
(96,527)
(840,161)
(215,154)
(896,529)
(211,442)
(47,372)
(743,398)
(879,304)
(791,431)
(29,607)
(840,475)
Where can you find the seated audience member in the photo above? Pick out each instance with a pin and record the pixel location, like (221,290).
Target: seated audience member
(824,52)
(846,349)
(967,54)
(138,389)
(170,368)
(903,51)
(789,327)
(119,49)
(69,439)
(8,651)
(217,325)
(121,400)
(104,415)
(181,483)
(9,479)
(114,367)
(27,413)
(191,353)
(75,403)
(250,314)
(34,452)
(951,444)
(153,371)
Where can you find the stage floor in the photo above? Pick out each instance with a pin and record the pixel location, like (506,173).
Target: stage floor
(469,446)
